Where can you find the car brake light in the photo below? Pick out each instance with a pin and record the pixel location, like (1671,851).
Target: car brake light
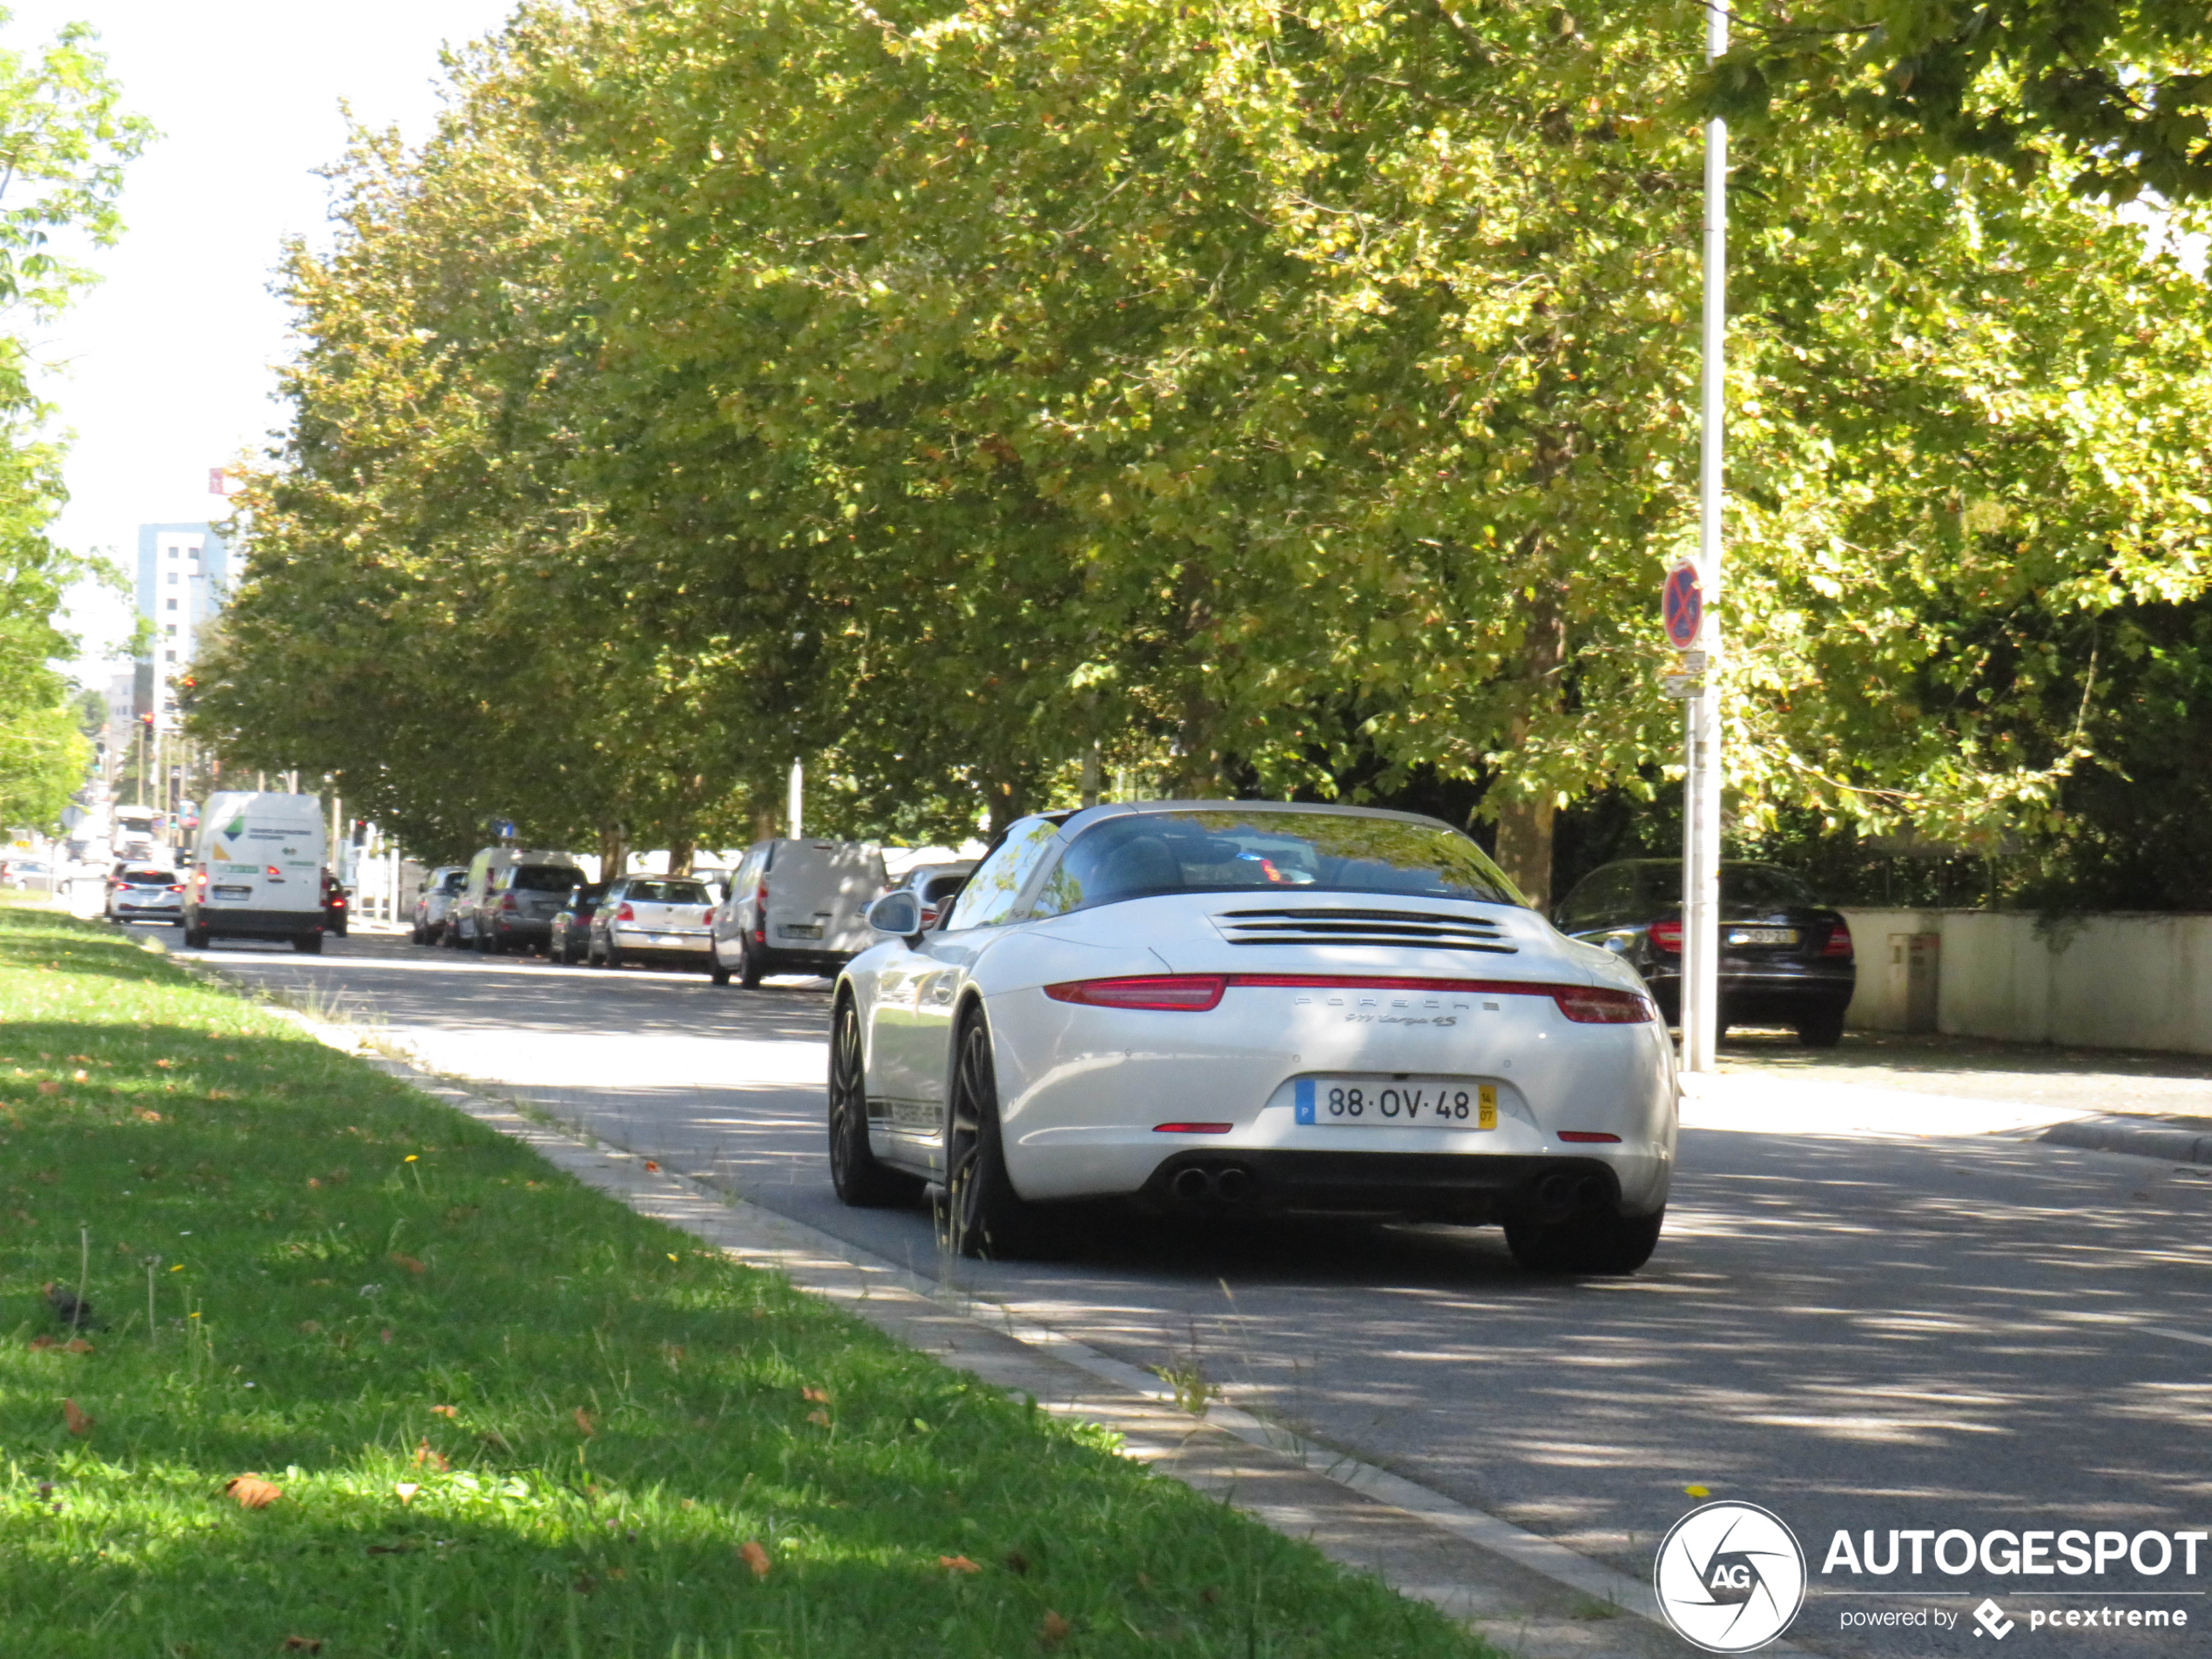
(179,887)
(1667,936)
(1838,941)
(274,871)
(507,902)
(1192,1129)
(760,914)
(1596,1005)
(707,915)
(625,913)
(1188,993)
(1590,1134)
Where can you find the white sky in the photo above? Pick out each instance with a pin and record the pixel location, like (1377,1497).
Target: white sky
(165,369)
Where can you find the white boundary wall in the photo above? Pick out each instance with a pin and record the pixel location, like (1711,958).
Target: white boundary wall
(2117,980)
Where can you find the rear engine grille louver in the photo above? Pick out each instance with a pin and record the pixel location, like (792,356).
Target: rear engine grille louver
(1397,929)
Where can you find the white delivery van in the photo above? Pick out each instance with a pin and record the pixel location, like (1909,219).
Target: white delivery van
(257,871)
(797,907)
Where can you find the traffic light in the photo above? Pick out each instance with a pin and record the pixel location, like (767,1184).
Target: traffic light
(187,692)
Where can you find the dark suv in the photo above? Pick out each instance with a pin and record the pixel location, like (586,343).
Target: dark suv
(1785,958)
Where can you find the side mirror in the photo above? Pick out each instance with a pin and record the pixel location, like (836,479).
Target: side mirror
(896,913)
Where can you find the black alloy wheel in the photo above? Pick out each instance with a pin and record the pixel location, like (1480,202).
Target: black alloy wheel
(1603,1242)
(861,1179)
(982,1214)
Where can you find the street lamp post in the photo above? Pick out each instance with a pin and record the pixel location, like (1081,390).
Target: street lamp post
(1702,771)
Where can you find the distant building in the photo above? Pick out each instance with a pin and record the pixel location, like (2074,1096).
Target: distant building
(183,572)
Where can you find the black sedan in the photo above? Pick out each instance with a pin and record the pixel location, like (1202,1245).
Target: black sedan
(1785,958)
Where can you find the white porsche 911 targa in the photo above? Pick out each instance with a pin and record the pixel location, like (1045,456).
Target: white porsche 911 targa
(1256,1008)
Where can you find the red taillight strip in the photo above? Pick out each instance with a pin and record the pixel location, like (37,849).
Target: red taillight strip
(1197,993)
(1192,1129)
(1590,1135)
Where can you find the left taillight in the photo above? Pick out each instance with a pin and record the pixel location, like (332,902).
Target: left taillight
(1594,1005)
(1165,993)
(625,913)
(1838,941)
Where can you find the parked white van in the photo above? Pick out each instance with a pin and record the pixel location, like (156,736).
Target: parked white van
(795,907)
(257,871)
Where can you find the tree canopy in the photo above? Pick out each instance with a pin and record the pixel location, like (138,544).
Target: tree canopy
(1281,400)
(64,141)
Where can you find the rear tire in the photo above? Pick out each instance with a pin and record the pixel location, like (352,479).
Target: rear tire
(195,938)
(1821,1030)
(748,965)
(613,956)
(715,971)
(860,1178)
(1605,1243)
(982,1214)
(307,944)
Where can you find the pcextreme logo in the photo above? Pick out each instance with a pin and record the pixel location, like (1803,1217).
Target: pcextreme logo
(1729,1577)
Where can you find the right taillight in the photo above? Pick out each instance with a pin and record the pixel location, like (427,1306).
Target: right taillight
(625,913)
(1596,1005)
(1667,936)
(1838,941)
(1164,993)
(760,914)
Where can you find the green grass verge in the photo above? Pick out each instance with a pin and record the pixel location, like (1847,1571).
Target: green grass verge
(310,1274)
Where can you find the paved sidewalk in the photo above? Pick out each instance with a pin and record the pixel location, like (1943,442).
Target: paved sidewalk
(1886,1083)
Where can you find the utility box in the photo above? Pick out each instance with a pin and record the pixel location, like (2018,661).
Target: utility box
(1914,969)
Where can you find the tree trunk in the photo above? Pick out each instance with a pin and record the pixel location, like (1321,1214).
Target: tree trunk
(681,849)
(613,852)
(765,823)
(1525,821)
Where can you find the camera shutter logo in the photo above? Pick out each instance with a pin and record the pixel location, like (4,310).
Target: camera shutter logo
(1730,1578)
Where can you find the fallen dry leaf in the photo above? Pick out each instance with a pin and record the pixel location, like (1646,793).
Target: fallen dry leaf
(303,1644)
(819,1418)
(312,1327)
(424,1455)
(78,1423)
(251,1491)
(654,1167)
(1052,1630)
(819,1396)
(80,1077)
(958,1564)
(146,1115)
(77,1344)
(406,1489)
(445,1410)
(42,1342)
(50,1088)
(408,1262)
(584,1422)
(755,1557)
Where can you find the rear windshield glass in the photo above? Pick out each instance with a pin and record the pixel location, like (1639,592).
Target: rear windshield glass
(940,888)
(667,893)
(1761,886)
(589,892)
(545,878)
(142,874)
(1269,851)
(456,880)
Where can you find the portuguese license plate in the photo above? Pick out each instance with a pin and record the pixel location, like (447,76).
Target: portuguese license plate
(1383,1102)
(799,930)
(1762,935)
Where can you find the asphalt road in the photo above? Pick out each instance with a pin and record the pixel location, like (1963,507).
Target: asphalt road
(1854,1331)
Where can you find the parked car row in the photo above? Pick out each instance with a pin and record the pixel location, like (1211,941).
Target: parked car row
(790,906)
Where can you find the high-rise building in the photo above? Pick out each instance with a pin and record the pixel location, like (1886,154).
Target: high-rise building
(184,570)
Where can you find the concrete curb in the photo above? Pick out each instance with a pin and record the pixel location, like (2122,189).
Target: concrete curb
(2169,1140)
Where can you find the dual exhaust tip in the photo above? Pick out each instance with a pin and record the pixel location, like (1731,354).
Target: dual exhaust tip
(1228,1184)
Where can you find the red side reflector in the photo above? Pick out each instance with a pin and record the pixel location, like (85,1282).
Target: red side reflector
(1192,1129)
(1183,993)
(1589,1134)
(1838,941)
(1667,936)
